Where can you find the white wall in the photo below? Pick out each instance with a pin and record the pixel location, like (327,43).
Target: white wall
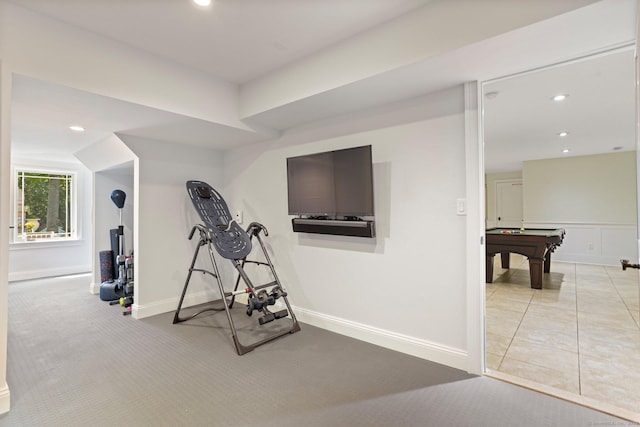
(163,251)
(592,197)
(46,259)
(389,289)
(598,188)
(157,215)
(113,166)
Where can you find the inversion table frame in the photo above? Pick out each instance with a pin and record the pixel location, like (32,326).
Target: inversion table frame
(233,243)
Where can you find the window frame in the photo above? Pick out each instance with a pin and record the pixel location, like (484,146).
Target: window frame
(75,220)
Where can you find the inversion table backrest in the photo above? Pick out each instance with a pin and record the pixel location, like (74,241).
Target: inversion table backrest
(229,239)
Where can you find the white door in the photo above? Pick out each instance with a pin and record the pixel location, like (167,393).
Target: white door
(509,203)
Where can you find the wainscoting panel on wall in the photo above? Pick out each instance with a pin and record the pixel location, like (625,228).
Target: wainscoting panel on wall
(602,244)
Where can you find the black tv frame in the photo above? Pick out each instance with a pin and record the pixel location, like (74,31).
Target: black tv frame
(334,221)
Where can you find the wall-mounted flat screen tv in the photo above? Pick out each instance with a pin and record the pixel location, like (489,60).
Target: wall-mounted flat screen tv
(332,184)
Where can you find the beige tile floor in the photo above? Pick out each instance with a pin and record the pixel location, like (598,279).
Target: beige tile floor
(579,334)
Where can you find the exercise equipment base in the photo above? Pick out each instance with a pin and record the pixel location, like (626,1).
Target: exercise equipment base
(230,241)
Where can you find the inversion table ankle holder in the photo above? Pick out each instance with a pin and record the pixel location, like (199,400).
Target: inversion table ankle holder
(221,232)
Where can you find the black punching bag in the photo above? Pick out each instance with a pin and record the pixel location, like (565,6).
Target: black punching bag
(118,197)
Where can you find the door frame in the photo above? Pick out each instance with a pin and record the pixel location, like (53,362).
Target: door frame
(475,224)
(476,194)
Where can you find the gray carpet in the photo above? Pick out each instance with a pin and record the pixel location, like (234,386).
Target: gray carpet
(76,361)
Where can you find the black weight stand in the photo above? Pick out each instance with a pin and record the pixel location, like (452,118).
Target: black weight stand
(221,232)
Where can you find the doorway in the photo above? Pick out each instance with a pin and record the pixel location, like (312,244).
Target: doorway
(508,203)
(579,336)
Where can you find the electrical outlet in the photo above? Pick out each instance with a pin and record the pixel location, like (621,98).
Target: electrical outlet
(238,217)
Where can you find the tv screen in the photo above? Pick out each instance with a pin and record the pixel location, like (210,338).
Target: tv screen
(333,184)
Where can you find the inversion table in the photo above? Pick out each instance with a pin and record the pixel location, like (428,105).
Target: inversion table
(221,232)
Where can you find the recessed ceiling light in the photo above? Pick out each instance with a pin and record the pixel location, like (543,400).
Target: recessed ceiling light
(563,133)
(76,128)
(202,2)
(560,97)
(566,150)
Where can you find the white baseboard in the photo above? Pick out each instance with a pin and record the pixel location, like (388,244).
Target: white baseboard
(423,349)
(438,353)
(140,311)
(586,259)
(94,288)
(5,399)
(48,272)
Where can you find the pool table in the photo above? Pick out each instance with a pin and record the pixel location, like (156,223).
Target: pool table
(534,243)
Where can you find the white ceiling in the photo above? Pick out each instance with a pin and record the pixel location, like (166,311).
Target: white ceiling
(236,40)
(522,122)
(253,37)
(43,111)
(242,39)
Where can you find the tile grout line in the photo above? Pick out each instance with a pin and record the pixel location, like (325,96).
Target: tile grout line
(624,301)
(516,331)
(575,274)
(591,278)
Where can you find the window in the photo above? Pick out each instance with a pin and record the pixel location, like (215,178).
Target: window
(45,205)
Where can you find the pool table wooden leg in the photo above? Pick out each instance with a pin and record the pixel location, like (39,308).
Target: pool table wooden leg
(504,257)
(547,262)
(489,269)
(535,272)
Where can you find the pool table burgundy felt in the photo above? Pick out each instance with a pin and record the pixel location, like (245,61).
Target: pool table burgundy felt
(534,243)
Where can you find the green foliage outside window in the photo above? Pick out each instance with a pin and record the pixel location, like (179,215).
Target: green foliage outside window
(44,205)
